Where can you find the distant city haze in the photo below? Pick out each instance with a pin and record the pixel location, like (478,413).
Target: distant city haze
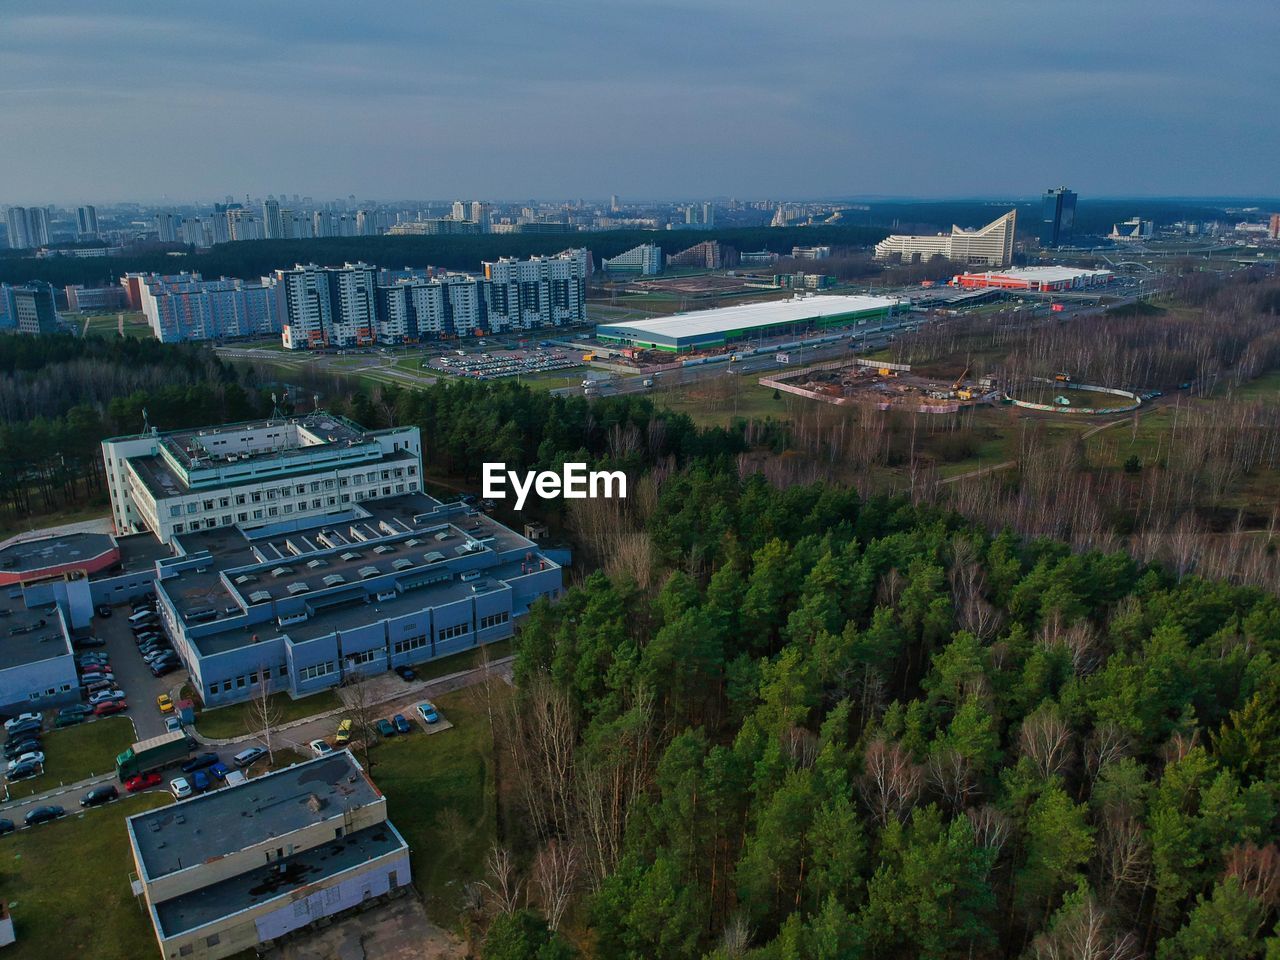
(560,100)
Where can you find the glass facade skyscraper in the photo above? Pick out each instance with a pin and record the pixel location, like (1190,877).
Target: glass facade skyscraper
(1058,217)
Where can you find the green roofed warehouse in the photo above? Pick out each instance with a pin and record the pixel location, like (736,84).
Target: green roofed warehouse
(705,329)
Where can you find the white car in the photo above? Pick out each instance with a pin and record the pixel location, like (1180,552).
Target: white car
(35,756)
(173,724)
(105,696)
(21,718)
(321,748)
(180,788)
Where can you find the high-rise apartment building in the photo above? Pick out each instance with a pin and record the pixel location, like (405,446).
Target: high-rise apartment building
(538,292)
(188,307)
(329,306)
(1057,217)
(38,217)
(272,225)
(87,222)
(168,226)
(28,227)
(243,225)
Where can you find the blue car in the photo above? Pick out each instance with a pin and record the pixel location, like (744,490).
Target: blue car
(402,725)
(200,781)
(219,771)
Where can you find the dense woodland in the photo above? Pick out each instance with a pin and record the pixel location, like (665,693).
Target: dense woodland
(843,728)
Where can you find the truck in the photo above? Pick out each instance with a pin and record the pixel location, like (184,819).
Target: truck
(152,754)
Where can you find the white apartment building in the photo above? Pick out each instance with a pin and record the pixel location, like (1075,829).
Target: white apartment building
(538,292)
(645,260)
(255,474)
(990,246)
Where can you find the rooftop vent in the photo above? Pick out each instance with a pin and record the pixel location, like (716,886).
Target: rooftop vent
(317,563)
(384,548)
(404,563)
(367,572)
(350,555)
(282,571)
(297,588)
(334,579)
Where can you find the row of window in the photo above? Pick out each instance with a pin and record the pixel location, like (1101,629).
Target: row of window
(457,630)
(411,643)
(317,670)
(287,509)
(494,619)
(247,680)
(364,656)
(37,695)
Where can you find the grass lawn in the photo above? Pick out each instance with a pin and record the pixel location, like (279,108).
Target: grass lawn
(1266,387)
(718,401)
(441,797)
(75,753)
(466,660)
(224,723)
(67,884)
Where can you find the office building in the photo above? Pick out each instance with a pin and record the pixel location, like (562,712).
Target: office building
(707,329)
(644,260)
(82,299)
(990,246)
(29,308)
(1057,217)
(538,292)
(810,253)
(187,307)
(87,222)
(1042,279)
(446,226)
(1135,228)
(235,869)
(272,225)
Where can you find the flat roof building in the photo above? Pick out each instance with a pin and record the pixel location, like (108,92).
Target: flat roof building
(646,260)
(704,329)
(1047,278)
(990,246)
(239,867)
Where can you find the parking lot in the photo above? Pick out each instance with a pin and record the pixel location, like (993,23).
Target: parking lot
(132,674)
(496,364)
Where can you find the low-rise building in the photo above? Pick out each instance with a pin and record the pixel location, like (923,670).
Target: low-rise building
(1044,279)
(240,867)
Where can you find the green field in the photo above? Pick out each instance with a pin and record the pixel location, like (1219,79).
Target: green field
(108,324)
(67,884)
(225,723)
(76,753)
(441,796)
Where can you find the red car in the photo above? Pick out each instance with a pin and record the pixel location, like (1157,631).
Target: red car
(109,707)
(143,781)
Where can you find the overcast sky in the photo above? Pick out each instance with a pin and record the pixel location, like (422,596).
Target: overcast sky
(660,98)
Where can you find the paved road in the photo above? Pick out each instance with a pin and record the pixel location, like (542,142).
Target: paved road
(133,676)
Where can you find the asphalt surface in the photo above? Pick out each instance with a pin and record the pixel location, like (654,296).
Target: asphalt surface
(133,676)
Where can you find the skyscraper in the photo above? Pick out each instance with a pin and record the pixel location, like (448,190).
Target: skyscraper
(168,226)
(1057,218)
(38,217)
(87,223)
(272,226)
(19,229)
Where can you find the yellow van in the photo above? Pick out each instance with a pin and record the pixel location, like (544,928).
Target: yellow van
(344,732)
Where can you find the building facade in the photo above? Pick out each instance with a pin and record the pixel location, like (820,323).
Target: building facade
(29,308)
(990,246)
(28,227)
(186,307)
(1036,279)
(645,260)
(538,292)
(238,868)
(87,222)
(82,299)
(1057,217)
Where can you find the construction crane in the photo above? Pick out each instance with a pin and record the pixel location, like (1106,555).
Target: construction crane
(960,379)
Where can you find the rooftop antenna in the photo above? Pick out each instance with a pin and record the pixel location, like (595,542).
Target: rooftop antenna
(275,408)
(315,399)
(146,421)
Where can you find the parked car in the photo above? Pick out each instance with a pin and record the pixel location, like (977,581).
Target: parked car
(109,707)
(99,686)
(106,696)
(344,732)
(86,658)
(43,815)
(20,719)
(85,643)
(96,677)
(160,668)
(154,654)
(69,719)
(172,724)
(200,762)
(406,674)
(385,728)
(428,713)
(79,708)
(200,781)
(320,748)
(102,610)
(143,781)
(219,771)
(100,795)
(248,756)
(35,756)
(25,727)
(23,771)
(401,724)
(165,703)
(180,788)
(16,748)
(6,826)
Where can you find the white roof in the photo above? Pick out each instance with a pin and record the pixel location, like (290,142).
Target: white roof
(748,315)
(1049,274)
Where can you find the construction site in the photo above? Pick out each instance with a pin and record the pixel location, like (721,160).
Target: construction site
(883,385)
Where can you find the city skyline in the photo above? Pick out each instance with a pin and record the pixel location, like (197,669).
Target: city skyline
(183,104)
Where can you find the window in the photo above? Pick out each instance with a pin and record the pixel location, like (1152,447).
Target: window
(242,517)
(175,511)
(457,630)
(239,682)
(410,643)
(224,502)
(257,514)
(494,620)
(226,520)
(257,497)
(177,528)
(212,940)
(253,678)
(364,656)
(208,504)
(282,671)
(240,501)
(226,686)
(186,950)
(316,671)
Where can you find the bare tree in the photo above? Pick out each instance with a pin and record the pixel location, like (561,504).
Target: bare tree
(501,884)
(1083,932)
(361,711)
(262,713)
(735,939)
(1045,739)
(891,780)
(555,874)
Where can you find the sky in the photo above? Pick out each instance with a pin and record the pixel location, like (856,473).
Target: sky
(559,99)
